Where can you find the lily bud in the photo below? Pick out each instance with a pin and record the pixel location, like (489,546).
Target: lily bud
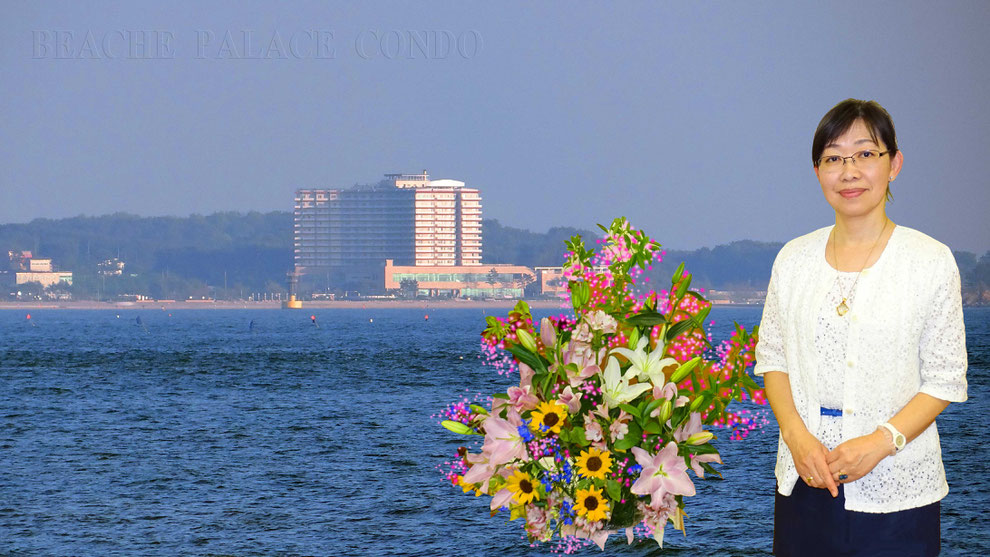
(547,333)
(685,368)
(666,409)
(633,338)
(526,339)
(700,438)
(696,403)
(683,286)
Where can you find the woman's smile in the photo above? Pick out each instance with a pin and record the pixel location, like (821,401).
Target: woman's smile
(852,192)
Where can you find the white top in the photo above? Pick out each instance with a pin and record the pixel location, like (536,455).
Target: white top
(830,345)
(904,335)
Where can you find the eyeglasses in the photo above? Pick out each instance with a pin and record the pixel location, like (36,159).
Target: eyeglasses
(866,158)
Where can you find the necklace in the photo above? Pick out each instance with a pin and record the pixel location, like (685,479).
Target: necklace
(843,307)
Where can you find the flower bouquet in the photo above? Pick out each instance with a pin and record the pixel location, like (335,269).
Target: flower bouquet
(612,405)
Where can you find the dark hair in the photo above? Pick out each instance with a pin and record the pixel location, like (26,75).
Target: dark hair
(842,116)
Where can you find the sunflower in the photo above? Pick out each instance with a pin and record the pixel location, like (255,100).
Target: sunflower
(548,417)
(591,504)
(468,488)
(523,487)
(594,463)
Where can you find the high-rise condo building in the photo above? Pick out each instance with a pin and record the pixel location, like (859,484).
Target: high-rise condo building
(407,218)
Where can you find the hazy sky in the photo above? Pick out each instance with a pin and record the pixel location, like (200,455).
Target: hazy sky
(694,119)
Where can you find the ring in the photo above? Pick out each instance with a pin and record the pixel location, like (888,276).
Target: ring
(843,477)
(811,479)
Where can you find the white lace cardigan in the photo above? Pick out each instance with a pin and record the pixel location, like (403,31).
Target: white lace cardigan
(906,336)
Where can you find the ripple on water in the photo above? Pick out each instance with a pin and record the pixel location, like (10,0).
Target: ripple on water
(197,436)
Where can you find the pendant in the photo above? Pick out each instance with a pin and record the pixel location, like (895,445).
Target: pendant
(842,308)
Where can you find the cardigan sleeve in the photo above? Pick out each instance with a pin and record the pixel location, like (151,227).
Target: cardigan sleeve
(942,350)
(770,342)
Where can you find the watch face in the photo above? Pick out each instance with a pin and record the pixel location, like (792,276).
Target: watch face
(900,441)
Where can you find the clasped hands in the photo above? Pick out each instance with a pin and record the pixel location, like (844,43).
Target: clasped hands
(850,461)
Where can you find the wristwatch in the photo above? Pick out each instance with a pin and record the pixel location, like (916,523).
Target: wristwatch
(897,437)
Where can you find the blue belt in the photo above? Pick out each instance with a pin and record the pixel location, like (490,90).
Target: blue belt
(831,412)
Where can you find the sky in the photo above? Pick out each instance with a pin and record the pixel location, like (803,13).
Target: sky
(692,119)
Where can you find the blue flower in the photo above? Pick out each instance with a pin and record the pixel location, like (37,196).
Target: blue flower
(566,513)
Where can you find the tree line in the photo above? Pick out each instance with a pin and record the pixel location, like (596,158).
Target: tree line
(232,255)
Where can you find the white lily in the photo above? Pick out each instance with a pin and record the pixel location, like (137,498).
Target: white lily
(647,366)
(617,389)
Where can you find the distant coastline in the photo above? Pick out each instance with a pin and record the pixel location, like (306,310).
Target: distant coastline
(342,304)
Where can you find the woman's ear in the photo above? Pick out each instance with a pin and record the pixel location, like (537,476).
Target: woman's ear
(895,165)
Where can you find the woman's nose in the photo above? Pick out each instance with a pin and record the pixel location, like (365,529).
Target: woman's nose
(849,170)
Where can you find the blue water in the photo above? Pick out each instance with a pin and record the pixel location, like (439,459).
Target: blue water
(193,434)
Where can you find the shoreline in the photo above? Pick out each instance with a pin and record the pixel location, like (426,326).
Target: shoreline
(268,305)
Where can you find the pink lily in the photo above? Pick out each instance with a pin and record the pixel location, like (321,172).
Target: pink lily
(620,427)
(572,400)
(575,380)
(502,441)
(526,374)
(501,498)
(664,472)
(522,399)
(692,426)
(697,459)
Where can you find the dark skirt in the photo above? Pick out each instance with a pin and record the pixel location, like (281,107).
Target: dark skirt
(810,522)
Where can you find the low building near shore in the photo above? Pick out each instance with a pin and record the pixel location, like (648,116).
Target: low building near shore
(46,279)
(26,269)
(461,281)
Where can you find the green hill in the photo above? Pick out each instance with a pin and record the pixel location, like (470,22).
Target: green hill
(177,257)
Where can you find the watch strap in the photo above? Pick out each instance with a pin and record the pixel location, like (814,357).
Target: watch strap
(897,438)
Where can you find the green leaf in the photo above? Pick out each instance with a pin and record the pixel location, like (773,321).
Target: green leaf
(711,469)
(653,405)
(613,489)
(563,435)
(678,417)
(504,396)
(528,358)
(707,448)
(696,295)
(653,426)
(643,319)
(631,409)
(678,273)
(631,439)
(458,427)
(577,436)
(678,328)
(702,315)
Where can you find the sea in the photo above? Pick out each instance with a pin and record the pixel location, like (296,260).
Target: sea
(268,432)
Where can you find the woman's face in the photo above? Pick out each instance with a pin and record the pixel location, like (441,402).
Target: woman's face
(857,189)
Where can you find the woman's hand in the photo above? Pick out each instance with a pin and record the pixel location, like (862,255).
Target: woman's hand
(857,457)
(810,460)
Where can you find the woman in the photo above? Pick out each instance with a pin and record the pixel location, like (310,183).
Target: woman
(861,346)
